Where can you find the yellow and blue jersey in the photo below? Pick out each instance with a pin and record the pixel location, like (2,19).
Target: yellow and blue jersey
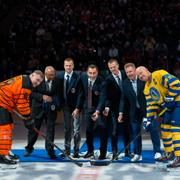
(162,84)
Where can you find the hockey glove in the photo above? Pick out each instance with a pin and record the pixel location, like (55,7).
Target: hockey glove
(147,124)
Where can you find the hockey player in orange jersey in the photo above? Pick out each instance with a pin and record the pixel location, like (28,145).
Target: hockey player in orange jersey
(15,96)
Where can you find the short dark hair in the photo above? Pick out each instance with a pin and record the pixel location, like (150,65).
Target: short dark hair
(69,59)
(92,66)
(113,60)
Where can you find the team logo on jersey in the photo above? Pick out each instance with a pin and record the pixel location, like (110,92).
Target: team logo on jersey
(154,94)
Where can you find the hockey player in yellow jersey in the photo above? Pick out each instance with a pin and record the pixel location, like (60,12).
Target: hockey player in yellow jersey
(162,90)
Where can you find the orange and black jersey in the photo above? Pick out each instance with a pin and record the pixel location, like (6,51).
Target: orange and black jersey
(15,94)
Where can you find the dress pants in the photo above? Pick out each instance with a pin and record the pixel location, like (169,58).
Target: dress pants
(72,129)
(50,117)
(90,128)
(116,128)
(137,141)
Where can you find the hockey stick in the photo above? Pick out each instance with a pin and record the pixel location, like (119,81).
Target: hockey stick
(161,113)
(40,133)
(53,144)
(106,162)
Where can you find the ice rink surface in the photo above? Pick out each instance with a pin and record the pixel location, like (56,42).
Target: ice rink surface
(70,171)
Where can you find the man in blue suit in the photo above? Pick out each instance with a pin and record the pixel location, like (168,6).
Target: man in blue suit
(93,106)
(134,97)
(72,104)
(113,92)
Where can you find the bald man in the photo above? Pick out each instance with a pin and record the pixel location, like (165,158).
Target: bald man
(162,90)
(45,103)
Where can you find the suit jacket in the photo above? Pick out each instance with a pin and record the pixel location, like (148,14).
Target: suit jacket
(130,97)
(38,105)
(98,98)
(114,93)
(74,96)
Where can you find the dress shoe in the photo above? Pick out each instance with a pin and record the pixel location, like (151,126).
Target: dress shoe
(27,154)
(136,158)
(66,153)
(76,155)
(102,156)
(175,163)
(115,156)
(52,156)
(89,154)
(167,157)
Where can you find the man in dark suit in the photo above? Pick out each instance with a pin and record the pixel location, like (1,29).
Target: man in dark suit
(134,97)
(45,103)
(93,106)
(72,104)
(113,86)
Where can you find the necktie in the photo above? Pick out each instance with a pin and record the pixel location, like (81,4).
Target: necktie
(90,95)
(134,85)
(119,81)
(67,83)
(47,85)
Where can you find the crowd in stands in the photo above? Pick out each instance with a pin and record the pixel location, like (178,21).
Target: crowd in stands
(144,32)
(4,8)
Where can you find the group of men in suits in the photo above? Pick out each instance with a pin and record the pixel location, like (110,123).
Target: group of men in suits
(112,104)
